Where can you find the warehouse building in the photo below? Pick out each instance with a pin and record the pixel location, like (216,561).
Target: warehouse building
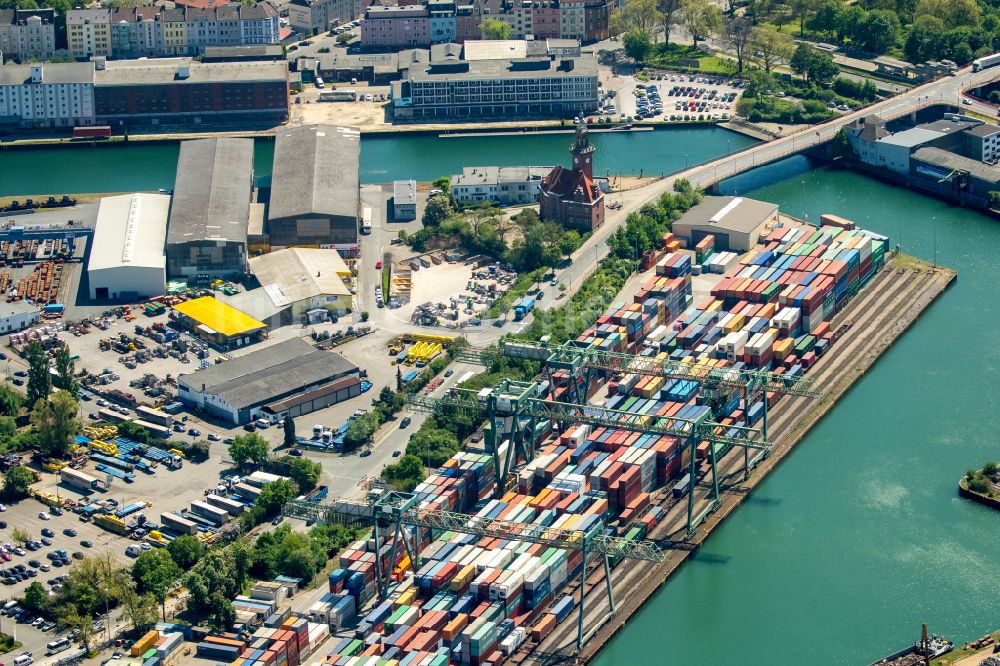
(315,194)
(126,253)
(304,279)
(736,222)
(17,315)
(404,200)
(289,377)
(218,323)
(207,236)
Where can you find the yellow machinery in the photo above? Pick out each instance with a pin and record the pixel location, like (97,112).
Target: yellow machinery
(47,499)
(101,432)
(104,447)
(111,524)
(422,352)
(53,465)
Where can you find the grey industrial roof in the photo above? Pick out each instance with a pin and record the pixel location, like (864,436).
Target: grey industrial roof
(404,192)
(165,70)
(316,170)
(984,130)
(263,375)
(52,72)
(948,126)
(911,138)
(491,175)
(953,161)
(255,302)
(527,68)
(296,274)
(248,51)
(744,217)
(16,308)
(492,49)
(130,231)
(212,191)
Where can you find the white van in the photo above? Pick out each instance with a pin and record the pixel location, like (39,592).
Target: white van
(58,645)
(24,659)
(262,424)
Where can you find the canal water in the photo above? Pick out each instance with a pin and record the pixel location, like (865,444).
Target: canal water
(859,536)
(383,159)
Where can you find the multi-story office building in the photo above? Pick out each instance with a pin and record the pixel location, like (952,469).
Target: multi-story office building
(48,95)
(88,32)
(164,31)
(27,33)
(480,82)
(314,16)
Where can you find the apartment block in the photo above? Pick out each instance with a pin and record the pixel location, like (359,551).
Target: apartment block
(88,32)
(396,27)
(314,16)
(27,33)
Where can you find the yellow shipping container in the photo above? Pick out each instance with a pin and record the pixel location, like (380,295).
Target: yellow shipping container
(654,385)
(783,348)
(144,643)
(406,598)
(714,306)
(734,324)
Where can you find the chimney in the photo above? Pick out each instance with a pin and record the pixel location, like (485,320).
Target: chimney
(100,62)
(36,74)
(184,72)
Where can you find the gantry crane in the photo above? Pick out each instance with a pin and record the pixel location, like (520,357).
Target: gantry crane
(581,362)
(384,508)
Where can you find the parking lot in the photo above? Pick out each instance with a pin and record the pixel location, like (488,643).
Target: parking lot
(672,97)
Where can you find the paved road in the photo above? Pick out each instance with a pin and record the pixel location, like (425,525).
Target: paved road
(947,90)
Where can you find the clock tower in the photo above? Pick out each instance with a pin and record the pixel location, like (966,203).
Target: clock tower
(583,152)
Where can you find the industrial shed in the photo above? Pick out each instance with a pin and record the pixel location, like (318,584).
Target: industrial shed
(315,193)
(207,236)
(735,222)
(291,372)
(218,323)
(126,254)
(303,279)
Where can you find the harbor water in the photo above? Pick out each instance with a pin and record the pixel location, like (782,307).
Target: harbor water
(144,167)
(859,536)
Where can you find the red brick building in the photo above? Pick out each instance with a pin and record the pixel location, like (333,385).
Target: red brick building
(570,196)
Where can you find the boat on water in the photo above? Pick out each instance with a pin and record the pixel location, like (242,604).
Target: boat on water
(922,651)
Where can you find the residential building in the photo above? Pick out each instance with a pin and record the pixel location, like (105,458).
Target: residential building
(596,20)
(863,135)
(181,92)
(126,256)
(17,316)
(170,30)
(570,197)
(310,17)
(396,27)
(736,223)
(207,235)
(571,19)
(504,186)
(27,33)
(982,143)
(292,375)
(88,32)
(404,200)
(315,188)
(48,95)
(441,23)
(478,85)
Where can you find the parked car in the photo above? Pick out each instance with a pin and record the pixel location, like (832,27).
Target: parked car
(70,532)
(405,422)
(212,437)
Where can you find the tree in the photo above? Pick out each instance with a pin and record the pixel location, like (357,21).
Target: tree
(773,47)
(8,428)
(305,473)
(952,13)
(570,242)
(36,599)
(186,550)
(39,379)
(848,21)
(65,370)
(56,422)
(198,595)
(289,431)
(637,45)
(802,59)
(405,474)
(444,184)
(17,482)
(20,536)
(640,16)
(925,40)
(156,572)
(82,624)
(250,448)
(822,69)
(877,31)
(739,37)
(668,12)
(495,29)
(800,9)
(700,18)
(273,496)
(222,615)
(825,18)
(10,401)
(437,210)
(361,430)
(399,379)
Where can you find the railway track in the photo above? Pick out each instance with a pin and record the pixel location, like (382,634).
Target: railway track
(883,310)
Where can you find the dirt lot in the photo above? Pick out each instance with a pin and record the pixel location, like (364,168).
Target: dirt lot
(369,115)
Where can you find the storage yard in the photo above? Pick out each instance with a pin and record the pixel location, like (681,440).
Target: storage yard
(677,388)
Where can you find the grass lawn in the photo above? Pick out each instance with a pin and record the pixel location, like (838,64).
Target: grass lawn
(678,56)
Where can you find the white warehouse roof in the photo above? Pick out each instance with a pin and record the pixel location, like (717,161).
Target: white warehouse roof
(131,230)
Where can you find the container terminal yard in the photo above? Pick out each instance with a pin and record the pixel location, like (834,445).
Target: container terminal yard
(590,465)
